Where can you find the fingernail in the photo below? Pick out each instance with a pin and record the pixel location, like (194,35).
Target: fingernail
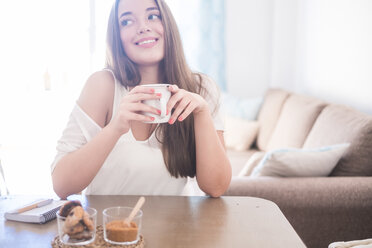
(152,118)
(167,112)
(180,118)
(158,94)
(159,112)
(152,90)
(170,121)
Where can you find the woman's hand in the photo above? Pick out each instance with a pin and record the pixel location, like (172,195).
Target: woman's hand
(131,108)
(184,103)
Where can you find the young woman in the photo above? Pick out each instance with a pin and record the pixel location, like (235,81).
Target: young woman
(107,148)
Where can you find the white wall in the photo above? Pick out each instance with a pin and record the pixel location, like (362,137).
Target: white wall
(283,42)
(316,47)
(335,51)
(248,46)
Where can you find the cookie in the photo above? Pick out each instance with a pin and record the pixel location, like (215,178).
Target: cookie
(85,235)
(87,221)
(73,230)
(67,207)
(74,216)
(78,225)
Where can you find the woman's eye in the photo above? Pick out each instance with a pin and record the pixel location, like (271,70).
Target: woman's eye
(125,22)
(154,17)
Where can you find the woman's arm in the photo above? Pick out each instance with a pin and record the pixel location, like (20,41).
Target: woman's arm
(213,170)
(76,170)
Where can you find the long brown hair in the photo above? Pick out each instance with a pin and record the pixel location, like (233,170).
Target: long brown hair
(178,140)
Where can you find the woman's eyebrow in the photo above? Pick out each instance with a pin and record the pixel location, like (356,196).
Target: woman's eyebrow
(152,8)
(125,13)
(129,13)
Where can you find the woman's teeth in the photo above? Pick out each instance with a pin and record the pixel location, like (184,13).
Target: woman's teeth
(145,42)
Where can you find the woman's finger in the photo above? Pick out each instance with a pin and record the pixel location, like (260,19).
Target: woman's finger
(187,111)
(139,117)
(141,107)
(141,89)
(173,88)
(180,108)
(174,100)
(142,97)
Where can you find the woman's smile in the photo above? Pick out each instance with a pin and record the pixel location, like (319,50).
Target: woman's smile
(148,42)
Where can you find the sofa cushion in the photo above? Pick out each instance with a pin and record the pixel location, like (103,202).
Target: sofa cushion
(269,114)
(294,162)
(341,124)
(239,133)
(295,122)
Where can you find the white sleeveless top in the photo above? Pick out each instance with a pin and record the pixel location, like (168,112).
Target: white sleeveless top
(133,167)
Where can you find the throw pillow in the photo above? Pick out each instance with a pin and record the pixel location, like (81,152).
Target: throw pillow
(240,134)
(294,162)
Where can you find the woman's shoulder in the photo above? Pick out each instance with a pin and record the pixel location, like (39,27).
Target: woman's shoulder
(97,96)
(103,80)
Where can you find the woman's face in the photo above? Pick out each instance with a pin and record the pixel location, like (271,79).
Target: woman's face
(141,31)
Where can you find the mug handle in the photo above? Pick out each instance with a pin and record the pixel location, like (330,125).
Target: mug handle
(163,107)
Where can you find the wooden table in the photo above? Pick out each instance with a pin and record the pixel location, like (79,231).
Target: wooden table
(173,221)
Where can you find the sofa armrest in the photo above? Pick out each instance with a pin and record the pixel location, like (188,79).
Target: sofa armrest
(306,191)
(321,209)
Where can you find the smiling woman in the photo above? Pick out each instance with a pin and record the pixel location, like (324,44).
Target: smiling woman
(45,65)
(110,135)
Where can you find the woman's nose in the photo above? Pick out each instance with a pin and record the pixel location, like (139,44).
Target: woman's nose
(143,29)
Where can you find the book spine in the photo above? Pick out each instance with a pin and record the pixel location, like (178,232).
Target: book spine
(50,215)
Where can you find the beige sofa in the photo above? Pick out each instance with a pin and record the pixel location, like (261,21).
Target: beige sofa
(321,209)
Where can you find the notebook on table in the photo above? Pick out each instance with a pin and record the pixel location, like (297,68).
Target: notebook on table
(36,215)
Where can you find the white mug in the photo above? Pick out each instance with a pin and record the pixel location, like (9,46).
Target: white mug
(160,104)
